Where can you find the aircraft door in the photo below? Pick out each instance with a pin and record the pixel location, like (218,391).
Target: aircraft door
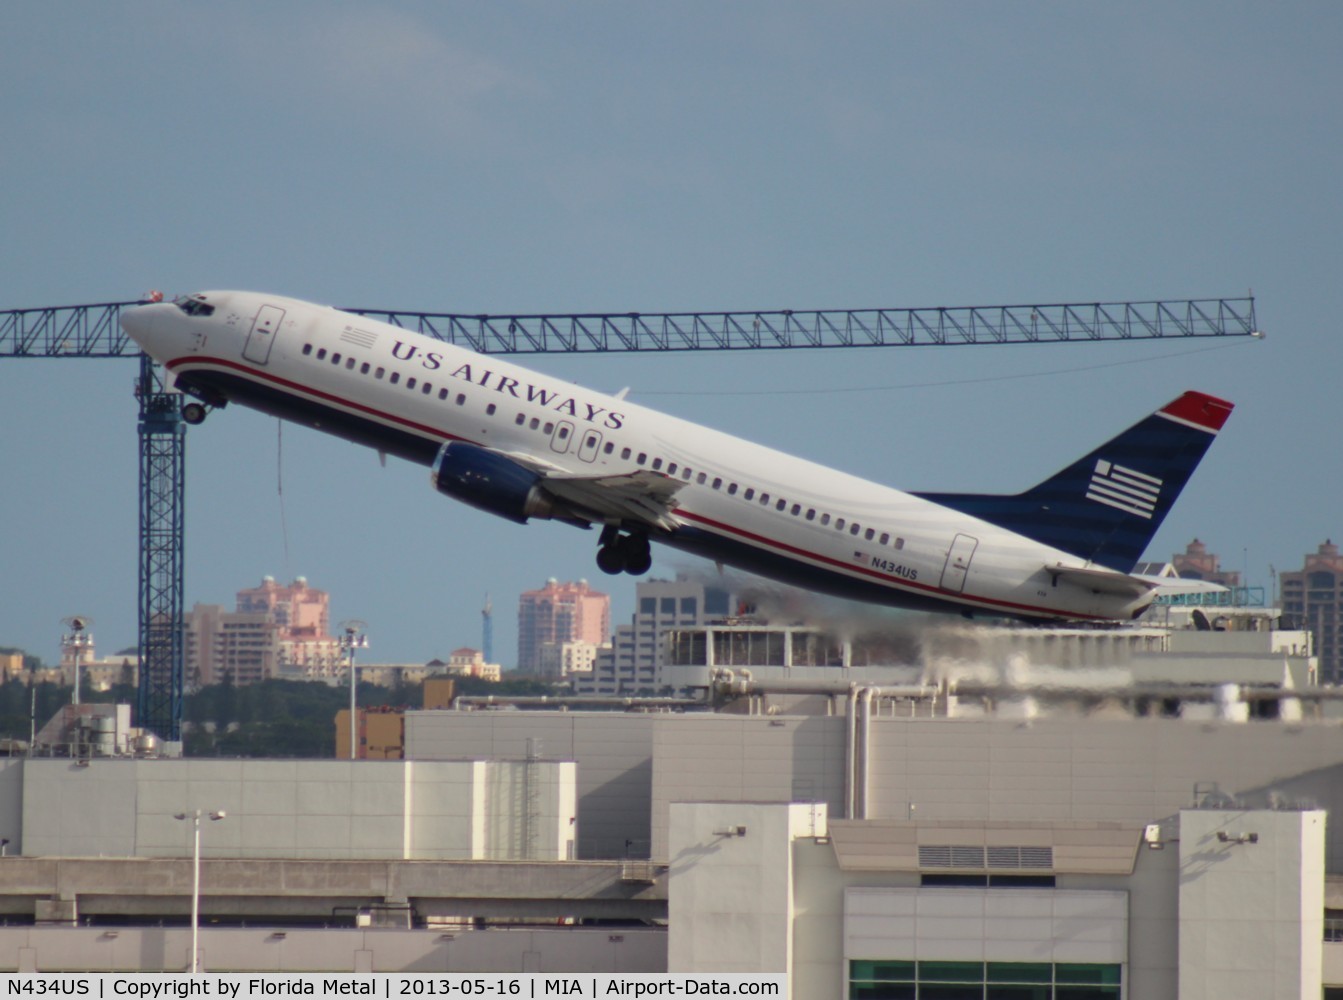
(591,444)
(262,335)
(958,563)
(563,437)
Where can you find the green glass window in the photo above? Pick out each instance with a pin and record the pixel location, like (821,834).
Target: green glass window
(951,972)
(951,991)
(882,991)
(1003,991)
(903,980)
(889,971)
(1100,975)
(1020,972)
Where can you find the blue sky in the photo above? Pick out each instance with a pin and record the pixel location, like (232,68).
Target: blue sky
(650,157)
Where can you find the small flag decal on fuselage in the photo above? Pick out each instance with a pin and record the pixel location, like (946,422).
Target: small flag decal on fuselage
(358,337)
(1124,489)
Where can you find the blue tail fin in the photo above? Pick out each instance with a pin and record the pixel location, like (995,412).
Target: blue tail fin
(1107,506)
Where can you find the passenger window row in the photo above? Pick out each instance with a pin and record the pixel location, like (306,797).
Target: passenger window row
(672,469)
(394,378)
(750,493)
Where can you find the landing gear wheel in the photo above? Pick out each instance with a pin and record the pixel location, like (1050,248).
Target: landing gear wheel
(623,553)
(610,559)
(194,413)
(638,555)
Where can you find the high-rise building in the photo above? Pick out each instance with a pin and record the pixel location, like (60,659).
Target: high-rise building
(276,630)
(240,647)
(1197,563)
(563,660)
(300,611)
(634,662)
(1312,599)
(560,612)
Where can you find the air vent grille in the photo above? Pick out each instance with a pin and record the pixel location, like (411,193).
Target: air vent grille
(966,856)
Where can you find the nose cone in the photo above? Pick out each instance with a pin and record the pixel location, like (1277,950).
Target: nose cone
(141,324)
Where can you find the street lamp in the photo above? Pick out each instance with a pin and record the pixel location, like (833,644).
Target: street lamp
(352,637)
(195,817)
(74,640)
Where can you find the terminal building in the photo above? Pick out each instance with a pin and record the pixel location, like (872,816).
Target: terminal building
(1137,813)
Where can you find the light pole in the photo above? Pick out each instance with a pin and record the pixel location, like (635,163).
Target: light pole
(194,966)
(74,640)
(73,643)
(352,637)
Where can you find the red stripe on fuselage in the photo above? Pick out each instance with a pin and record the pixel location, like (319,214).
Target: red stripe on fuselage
(307,390)
(946,595)
(762,540)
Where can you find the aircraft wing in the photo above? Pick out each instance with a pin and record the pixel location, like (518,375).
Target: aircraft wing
(643,496)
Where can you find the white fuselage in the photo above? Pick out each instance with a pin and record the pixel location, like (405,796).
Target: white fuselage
(740,503)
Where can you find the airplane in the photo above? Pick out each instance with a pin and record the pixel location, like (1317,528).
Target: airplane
(526,446)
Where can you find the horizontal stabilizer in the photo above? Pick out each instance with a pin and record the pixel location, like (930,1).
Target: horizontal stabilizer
(1168,586)
(1106,507)
(1106,581)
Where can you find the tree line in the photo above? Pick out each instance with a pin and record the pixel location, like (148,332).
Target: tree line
(275,718)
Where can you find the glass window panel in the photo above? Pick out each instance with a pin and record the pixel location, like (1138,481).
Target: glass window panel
(1107,975)
(951,972)
(900,971)
(881,991)
(1077,992)
(1020,972)
(998,991)
(951,991)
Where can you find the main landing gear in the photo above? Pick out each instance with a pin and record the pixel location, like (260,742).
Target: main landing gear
(623,553)
(195,412)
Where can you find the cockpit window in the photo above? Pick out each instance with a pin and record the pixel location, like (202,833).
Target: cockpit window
(194,305)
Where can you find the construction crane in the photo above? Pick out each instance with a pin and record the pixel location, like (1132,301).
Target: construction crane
(93,331)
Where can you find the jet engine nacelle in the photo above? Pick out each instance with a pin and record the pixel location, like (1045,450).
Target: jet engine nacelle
(490,481)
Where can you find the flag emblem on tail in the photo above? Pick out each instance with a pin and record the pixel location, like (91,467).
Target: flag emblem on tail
(1124,489)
